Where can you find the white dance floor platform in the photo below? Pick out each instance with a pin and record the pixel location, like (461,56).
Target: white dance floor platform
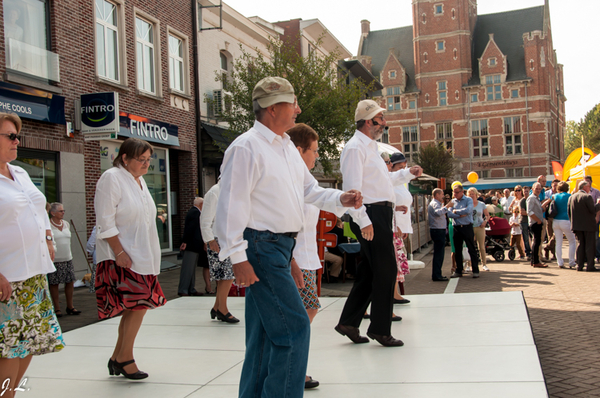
(456,345)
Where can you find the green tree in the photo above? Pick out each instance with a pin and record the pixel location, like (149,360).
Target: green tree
(327,103)
(436,160)
(589,127)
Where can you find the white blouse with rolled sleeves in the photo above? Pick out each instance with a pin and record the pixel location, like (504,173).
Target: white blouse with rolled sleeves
(306,252)
(403,198)
(123,209)
(23,226)
(63,243)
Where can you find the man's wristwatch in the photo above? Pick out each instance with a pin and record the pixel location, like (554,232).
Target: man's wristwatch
(49,238)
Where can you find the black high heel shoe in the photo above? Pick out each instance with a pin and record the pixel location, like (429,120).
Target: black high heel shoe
(118,369)
(227,317)
(213,313)
(111,370)
(73,311)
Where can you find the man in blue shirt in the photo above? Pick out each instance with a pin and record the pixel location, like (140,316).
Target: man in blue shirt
(437,230)
(460,210)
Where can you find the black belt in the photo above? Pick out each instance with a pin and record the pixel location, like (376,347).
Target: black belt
(292,235)
(388,204)
(460,226)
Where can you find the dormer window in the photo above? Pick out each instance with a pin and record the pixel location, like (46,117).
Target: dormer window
(493,89)
(392,74)
(492,61)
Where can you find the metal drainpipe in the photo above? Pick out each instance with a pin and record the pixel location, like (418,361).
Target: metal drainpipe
(527,124)
(469,128)
(197,98)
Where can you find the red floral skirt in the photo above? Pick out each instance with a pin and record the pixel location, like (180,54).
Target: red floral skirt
(119,289)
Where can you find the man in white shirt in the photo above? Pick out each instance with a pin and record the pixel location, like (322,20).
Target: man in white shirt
(364,170)
(264,185)
(505,202)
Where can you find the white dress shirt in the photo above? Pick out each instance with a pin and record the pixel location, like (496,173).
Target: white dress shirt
(363,169)
(505,203)
(63,243)
(123,209)
(403,198)
(306,252)
(264,185)
(23,223)
(209,211)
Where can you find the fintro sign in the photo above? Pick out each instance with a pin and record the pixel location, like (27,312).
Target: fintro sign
(100,113)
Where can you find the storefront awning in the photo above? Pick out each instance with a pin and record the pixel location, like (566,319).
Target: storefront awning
(220,135)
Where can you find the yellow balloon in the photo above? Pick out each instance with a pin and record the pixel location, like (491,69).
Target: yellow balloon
(455,184)
(472,177)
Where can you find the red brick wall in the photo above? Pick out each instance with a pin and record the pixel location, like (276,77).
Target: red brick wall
(72,36)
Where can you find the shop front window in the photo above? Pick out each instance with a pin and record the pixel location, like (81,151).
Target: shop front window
(41,167)
(157,180)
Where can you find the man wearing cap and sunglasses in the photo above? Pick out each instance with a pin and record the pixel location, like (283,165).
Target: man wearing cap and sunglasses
(364,170)
(264,185)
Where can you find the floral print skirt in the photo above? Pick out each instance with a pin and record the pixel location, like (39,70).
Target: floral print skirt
(119,289)
(219,270)
(401,259)
(28,324)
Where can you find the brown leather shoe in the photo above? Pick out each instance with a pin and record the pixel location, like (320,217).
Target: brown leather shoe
(540,265)
(352,333)
(386,341)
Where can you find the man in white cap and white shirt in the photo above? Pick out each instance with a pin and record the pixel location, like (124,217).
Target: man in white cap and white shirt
(264,185)
(364,170)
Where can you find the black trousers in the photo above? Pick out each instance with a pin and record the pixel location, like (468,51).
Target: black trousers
(464,233)
(439,242)
(586,248)
(536,230)
(375,275)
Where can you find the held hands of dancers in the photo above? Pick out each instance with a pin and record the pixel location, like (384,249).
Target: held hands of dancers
(351,198)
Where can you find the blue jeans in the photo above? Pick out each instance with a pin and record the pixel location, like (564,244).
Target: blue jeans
(525,234)
(277,326)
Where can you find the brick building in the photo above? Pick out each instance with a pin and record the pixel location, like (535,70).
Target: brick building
(53,52)
(489,87)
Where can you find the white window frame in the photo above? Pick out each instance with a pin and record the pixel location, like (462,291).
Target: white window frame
(437,46)
(480,138)
(435,8)
(412,104)
(392,74)
(443,133)
(410,141)
(484,173)
(512,92)
(511,136)
(492,61)
(157,78)
(442,92)
(513,173)
(493,87)
(474,96)
(121,43)
(184,59)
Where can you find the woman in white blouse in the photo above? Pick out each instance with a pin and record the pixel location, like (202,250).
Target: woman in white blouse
(127,251)
(63,260)
(28,325)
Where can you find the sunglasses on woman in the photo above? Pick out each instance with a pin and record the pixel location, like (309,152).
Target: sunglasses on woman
(11,136)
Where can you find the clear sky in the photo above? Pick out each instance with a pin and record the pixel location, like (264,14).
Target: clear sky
(573,25)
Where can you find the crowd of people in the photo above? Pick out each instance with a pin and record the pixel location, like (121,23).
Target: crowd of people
(257,226)
(539,220)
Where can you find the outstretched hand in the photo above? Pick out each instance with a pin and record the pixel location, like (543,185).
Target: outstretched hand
(351,198)
(416,171)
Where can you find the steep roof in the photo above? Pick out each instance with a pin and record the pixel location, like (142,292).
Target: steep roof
(508,29)
(378,43)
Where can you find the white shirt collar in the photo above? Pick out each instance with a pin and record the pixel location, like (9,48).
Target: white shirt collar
(269,135)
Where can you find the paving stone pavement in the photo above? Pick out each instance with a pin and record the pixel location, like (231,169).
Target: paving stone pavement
(563,305)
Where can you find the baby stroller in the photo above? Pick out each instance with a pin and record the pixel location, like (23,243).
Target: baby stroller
(497,239)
